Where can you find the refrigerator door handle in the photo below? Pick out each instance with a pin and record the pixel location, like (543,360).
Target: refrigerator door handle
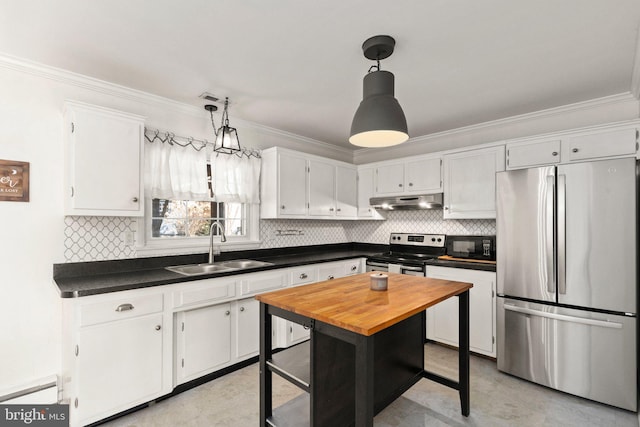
(555,316)
(551,268)
(562,242)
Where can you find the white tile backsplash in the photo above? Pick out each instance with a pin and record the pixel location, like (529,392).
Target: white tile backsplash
(102,238)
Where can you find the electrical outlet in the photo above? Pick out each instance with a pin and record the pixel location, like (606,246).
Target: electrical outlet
(128,238)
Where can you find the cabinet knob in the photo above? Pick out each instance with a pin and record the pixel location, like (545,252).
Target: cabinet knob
(555,153)
(226,313)
(330,209)
(135,200)
(330,278)
(338,210)
(354,267)
(241,308)
(399,185)
(282,207)
(411,184)
(575,150)
(303,276)
(446,208)
(158,327)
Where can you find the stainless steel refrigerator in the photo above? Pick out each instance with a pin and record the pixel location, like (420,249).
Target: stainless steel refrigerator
(567,286)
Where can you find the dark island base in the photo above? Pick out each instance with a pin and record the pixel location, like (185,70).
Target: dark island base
(398,364)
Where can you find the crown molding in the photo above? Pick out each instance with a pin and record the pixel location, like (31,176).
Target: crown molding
(113,89)
(90,83)
(507,121)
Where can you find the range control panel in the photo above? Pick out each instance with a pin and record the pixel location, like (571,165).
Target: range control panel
(433,240)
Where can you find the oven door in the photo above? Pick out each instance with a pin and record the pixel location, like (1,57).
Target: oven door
(377,266)
(412,271)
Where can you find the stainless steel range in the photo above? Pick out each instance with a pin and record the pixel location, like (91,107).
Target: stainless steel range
(408,253)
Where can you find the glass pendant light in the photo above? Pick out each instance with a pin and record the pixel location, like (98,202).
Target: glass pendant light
(227,141)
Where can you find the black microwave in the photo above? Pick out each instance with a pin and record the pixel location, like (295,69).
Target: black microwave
(472,247)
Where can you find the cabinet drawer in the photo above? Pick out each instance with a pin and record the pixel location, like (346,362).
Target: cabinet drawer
(263,283)
(120,308)
(205,292)
(533,154)
(301,276)
(352,267)
(605,144)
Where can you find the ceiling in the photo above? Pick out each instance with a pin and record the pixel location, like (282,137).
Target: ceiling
(297,65)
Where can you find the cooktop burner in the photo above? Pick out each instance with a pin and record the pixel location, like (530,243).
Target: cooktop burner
(412,248)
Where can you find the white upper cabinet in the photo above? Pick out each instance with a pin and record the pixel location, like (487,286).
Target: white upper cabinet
(322,184)
(470,183)
(283,184)
(534,153)
(573,146)
(103,161)
(346,191)
(365,192)
(298,185)
(419,175)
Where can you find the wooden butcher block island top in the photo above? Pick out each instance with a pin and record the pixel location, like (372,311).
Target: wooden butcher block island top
(350,304)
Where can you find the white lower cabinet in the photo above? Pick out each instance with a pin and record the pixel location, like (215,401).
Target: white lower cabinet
(247,328)
(442,319)
(124,349)
(203,341)
(116,353)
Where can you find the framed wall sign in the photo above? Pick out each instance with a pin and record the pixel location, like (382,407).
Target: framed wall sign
(14,181)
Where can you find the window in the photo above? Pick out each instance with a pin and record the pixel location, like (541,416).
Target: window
(186,218)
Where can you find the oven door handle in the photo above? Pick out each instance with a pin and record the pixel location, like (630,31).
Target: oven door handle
(377,264)
(406,268)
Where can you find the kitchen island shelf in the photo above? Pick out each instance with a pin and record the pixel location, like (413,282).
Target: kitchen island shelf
(293,364)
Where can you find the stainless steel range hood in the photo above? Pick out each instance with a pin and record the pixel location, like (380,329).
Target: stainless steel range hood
(426,201)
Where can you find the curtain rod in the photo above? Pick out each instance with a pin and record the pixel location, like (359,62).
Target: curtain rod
(197,144)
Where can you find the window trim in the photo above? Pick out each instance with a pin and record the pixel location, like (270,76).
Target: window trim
(146,245)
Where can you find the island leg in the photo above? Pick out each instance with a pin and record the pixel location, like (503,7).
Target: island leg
(463,354)
(364,381)
(266,379)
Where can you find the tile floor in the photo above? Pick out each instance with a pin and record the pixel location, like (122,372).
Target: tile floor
(496,400)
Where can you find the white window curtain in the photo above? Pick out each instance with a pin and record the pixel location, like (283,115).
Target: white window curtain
(235,178)
(176,173)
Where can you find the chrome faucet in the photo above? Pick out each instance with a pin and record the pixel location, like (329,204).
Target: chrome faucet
(223,238)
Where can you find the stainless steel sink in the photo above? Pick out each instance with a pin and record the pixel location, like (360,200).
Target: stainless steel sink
(245,263)
(195,269)
(218,267)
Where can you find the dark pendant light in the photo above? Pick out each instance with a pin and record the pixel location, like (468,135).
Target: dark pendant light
(227,141)
(379,120)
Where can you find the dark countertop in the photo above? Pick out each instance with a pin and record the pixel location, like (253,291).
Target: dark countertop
(469,265)
(92,278)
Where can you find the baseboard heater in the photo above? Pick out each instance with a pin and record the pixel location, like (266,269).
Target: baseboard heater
(40,392)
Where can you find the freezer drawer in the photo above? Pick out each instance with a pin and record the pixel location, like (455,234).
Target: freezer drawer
(587,354)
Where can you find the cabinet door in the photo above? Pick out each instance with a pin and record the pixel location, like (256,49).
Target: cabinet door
(292,180)
(331,271)
(365,192)
(470,183)
(602,144)
(297,333)
(534,153)
(442,319)
(423,176)
(390,179)
(104,155)
(248,328)
(119,365)
(322,188)
(346,192)
(203,341)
